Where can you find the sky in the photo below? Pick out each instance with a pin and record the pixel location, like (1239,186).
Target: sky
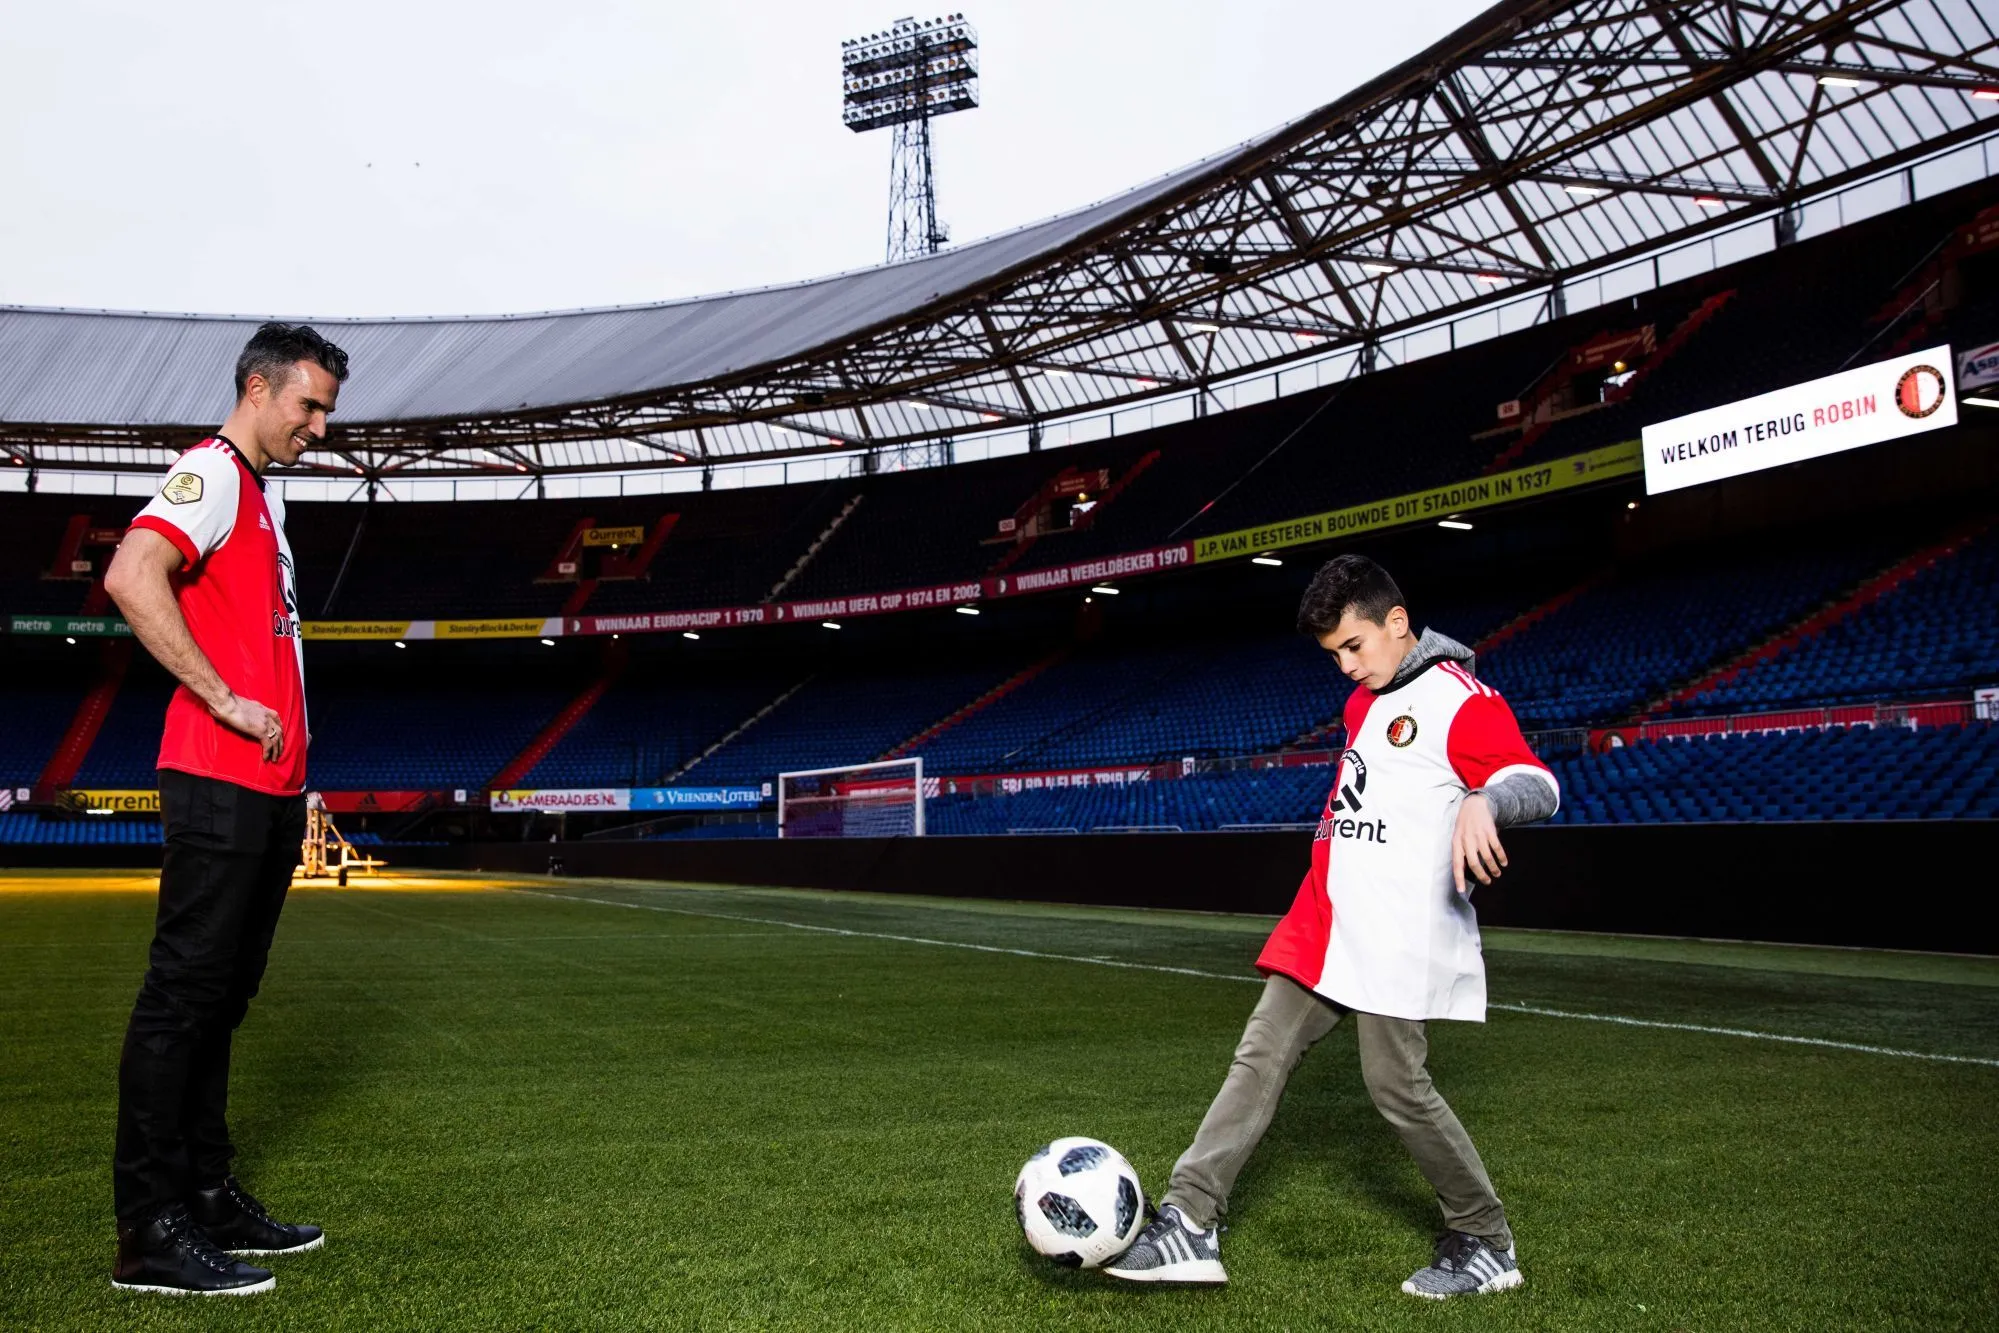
(372,158)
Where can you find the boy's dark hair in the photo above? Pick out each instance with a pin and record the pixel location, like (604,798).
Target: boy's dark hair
(275,348)
(1347,583)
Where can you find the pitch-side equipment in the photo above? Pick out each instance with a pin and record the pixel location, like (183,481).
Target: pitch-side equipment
(326,854)
(882,800)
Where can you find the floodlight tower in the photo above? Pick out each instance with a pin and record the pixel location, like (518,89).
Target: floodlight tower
(904,77)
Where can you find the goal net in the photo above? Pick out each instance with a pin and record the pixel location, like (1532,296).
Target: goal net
(883,800)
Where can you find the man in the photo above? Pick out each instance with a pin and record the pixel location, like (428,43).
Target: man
(1382,929)
(204,577)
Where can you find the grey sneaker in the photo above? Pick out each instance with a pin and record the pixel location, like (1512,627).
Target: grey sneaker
(1465,1266)
(1171,1249)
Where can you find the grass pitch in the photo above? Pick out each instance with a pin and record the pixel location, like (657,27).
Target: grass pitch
(591,1104)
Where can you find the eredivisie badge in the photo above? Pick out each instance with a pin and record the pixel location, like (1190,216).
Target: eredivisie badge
(1402,731)
(182,488)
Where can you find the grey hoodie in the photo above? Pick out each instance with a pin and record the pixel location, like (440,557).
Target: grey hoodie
(1519,799)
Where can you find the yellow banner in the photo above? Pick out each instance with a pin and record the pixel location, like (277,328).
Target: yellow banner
(1616,460)
(614,536)
(492,629)
(124,802)
(356,629)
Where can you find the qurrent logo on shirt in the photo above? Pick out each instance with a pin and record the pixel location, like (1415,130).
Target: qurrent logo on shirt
(284,623)
(1352,781)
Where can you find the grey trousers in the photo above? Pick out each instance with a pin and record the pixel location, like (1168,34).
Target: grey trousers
(1287,1021)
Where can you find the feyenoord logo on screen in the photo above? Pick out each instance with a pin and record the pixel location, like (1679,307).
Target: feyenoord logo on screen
(1920,391)
(1402,731)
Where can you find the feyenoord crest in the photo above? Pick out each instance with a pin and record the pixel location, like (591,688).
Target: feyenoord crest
(1402,731)
(1920,391)
(182,488)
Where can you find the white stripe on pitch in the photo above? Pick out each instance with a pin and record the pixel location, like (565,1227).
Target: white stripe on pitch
(1533,1010)
(899,939)
(1745,1032)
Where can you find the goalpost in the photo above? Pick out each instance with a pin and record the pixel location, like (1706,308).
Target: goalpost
(880,800)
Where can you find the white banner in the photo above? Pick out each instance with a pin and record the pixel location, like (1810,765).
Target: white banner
(1978,367)
(566,798)
(1906,395)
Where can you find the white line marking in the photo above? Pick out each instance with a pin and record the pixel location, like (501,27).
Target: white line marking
(1533,1010)
(1745,1032)
(899,939)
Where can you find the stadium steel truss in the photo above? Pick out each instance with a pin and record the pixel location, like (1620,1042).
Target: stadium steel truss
(1542,141)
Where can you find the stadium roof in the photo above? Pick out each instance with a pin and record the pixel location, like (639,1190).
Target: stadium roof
(1543,140)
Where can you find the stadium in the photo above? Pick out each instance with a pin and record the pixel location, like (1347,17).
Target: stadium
(785,755)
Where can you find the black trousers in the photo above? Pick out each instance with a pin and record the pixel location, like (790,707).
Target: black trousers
(230,853)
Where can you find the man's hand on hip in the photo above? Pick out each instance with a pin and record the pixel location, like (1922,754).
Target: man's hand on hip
(255,720)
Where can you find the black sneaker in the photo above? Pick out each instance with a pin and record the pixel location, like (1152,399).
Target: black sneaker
(172,1256)
(236,1222)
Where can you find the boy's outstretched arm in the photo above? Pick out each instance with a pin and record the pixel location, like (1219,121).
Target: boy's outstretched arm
(1508,786)
(1516,799)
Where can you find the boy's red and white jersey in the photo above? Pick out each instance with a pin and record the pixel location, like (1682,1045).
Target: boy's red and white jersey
(1378,925)
(235,590)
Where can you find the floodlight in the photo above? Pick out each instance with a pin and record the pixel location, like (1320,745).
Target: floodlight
(903,78)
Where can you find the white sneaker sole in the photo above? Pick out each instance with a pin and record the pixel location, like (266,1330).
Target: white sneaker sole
(1191,1273)
(312,1244)
(1503,1282)
(268,1284)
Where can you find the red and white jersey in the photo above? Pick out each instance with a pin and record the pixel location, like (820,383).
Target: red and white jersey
(235,591)
(1378,924)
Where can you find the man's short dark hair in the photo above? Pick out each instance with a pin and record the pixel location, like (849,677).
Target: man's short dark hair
(1347,583)
(275,348)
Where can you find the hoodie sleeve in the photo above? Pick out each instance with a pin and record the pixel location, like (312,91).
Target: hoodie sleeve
(1520,799)
(1490,756)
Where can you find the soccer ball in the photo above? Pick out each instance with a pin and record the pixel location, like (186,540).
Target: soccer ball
(1079,1202)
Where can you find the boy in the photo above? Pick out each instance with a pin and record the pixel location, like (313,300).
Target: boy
(1382,929)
